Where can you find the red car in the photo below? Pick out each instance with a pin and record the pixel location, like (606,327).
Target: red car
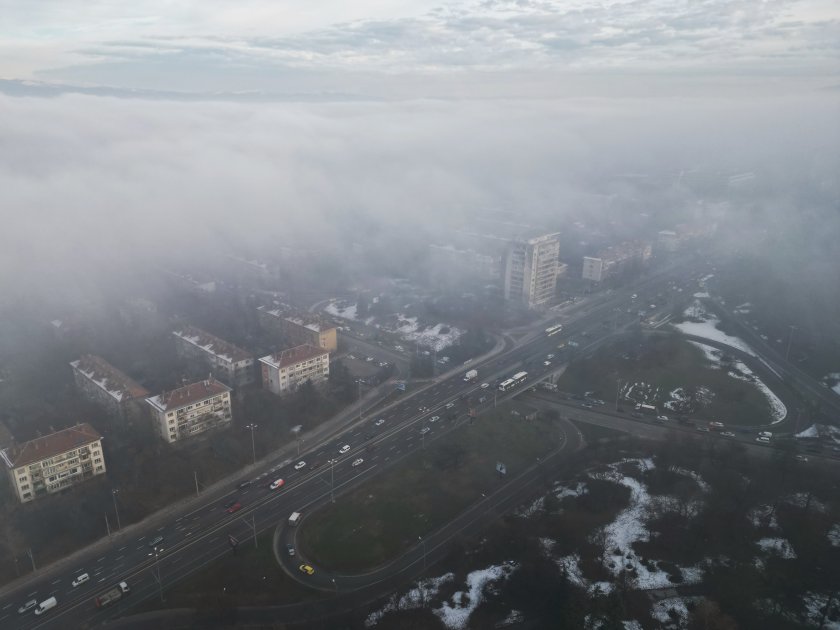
(234,508)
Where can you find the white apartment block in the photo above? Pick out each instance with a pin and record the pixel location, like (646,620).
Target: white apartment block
(230,363)
(102,383)
(613,259)
(190,410)
(285,371)
(51,463)
(531,269)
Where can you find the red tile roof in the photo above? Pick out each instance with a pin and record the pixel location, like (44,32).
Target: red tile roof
(188,394)
(292,356)
(50,445)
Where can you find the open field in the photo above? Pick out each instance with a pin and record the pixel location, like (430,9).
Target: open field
(374,523)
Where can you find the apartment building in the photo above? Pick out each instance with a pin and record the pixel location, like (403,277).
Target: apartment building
(229,363)
(102,383)
(299,329)
(531,269)
(49,464)
(449,261)
(612,260)
(190,410)
(283,372)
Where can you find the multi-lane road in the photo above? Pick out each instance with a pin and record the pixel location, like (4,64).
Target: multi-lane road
(195,538)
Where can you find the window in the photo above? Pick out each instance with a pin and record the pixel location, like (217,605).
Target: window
(24,486)
(27,495)
(97,461)
(99,468)
(23,478)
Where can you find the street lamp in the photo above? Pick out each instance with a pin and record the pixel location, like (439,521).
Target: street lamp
(332,480)
(359,384)
(156,553)
(790,340)
(253,447)
(335,586)
(114,492)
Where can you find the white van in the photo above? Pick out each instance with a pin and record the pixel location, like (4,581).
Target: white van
(45,605)
(81,579)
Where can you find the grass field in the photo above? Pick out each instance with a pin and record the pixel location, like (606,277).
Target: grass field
(376,522)
(666,363)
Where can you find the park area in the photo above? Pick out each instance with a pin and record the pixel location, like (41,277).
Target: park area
(379,520)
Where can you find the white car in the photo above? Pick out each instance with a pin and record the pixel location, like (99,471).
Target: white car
(766,434)
(358,462)
(78,581)
(424,430)
(485,385)
(546,363)
(763,440)
(344,449)
(300,465)
(369,359)
(351,356)
(549,357)
(379,422)
(449,405)
(277,483)
(434,418)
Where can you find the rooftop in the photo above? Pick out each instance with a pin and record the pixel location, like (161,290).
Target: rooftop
(285,358)
(212,344)
(49,445)
(188,394)
(312,322)
(109,378)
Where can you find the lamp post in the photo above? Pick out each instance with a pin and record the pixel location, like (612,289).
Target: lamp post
(332,480)
(335,586)
(114,492)
(617,392)
(359,384)
(252,427)
(156,553)
(790,340)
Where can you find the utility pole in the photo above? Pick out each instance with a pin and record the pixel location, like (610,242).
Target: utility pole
(116,511)
(156,554)
(252,427)
(332,480)
(423,432)
(617,392)
(253,526)
(195,476)
(107,525)
(31,559)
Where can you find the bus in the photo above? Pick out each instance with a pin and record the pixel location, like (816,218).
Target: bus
(513,381)
(553,330)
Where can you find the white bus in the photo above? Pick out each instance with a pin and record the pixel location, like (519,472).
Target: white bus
(553,330)
(513,381)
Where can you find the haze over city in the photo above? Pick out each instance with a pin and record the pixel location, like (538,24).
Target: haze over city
(470,314)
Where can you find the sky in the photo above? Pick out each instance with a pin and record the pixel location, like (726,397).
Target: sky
(401,49)
(206,125)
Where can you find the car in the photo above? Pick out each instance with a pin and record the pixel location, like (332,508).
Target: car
(305,568)
(634,296)
(351,356)
(234,508)
(229,503)
(154,542)
(434,418)
(290,549)
(801,458)
(344,449)
(300,465)
(766,434)
(449,405)
(244,484)
(27,606)
(662,418)
(358,462)
(277,483)
(80,579)
(424,430)
(703,429)
(546,363)
(383,364)
(549,357)
(728,434)
(422,409)
(485,385)
(762,440)
(379,422)
(369,359)
(586,405)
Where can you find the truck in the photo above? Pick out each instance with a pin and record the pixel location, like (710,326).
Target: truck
(470,376)
(294,519)
(113,595)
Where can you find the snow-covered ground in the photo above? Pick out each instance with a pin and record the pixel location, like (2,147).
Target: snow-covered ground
(832,380)
(416,597)
(834,536)
(662,609)
(822,431)
(778,546)
(814,603)
(740,371)
(707,328)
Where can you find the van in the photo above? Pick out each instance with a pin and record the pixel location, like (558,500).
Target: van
(46,605)
(81,579)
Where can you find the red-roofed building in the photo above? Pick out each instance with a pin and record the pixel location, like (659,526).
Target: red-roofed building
(298,328)
(284,371)
(51,463)
(192,409)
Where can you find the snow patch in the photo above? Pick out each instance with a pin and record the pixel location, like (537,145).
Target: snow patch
(456,612)
(671,611)
(778,546)
(814,604)
(834,536)
(416,597)
(705,325)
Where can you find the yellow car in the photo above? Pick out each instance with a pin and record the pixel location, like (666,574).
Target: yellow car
(305,568)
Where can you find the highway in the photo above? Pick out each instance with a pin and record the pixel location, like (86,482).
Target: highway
(195,538)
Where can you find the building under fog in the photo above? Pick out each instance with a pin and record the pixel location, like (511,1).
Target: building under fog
(531,270)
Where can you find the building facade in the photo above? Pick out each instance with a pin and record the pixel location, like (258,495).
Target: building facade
(102,383)
(191,410)
(531,268)
(299,329)
(52,463)
(229,363)
(283,372)
(612,260)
